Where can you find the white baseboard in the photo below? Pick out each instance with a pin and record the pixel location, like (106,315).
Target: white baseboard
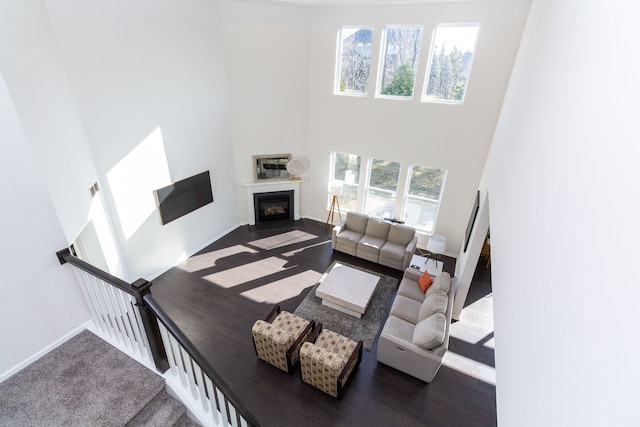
(5,375)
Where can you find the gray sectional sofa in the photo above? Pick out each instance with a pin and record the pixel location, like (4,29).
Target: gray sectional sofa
(415,336)
(376,240)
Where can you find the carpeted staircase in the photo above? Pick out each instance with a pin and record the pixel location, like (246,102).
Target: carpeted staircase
(88,382)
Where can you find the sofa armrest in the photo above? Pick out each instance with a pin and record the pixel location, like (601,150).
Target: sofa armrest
(408,252)
(434,354)
(272,314)
(412,274)
(335,231)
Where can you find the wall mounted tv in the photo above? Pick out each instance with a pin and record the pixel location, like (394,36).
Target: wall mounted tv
(182,197)
(472,220)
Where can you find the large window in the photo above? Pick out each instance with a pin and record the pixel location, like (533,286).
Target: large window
(450,65)
(382,188)
(387,194)
(423,197)
(399,61)
(346,174)
(354,59)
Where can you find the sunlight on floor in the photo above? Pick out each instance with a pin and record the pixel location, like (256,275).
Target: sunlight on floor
(470,367)
(284,289)
(283,239)
(247,272)
(297,251)
(476,322)
(209,259)
(476,328)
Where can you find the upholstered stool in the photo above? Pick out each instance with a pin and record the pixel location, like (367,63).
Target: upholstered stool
(279,342)
(330,362)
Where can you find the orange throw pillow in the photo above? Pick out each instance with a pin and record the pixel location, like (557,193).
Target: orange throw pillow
(425,281)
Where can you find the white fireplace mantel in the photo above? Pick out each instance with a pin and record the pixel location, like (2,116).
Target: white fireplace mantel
(266,187)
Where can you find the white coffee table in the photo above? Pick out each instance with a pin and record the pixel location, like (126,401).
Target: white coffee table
(347,289)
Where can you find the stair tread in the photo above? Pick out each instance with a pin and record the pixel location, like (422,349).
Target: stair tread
(163,409)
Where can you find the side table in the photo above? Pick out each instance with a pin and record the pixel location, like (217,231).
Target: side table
(424,264)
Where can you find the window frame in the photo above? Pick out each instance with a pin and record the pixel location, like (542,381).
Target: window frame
(402,196)
(338,67)
(407,197)
(356,183)
(432,53)
(368,187)
(381,62)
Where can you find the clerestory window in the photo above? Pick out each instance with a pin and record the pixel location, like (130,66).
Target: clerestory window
(354,57)
(399,63)
(449,68)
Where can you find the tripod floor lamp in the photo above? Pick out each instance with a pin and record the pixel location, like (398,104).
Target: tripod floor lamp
(336,190)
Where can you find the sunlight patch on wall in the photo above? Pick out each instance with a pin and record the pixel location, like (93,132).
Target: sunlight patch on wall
(134,178)
(283,289)
(283,239)
(247,272)
(105,238)
(210,259)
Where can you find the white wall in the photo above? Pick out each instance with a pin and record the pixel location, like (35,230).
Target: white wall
(145,66)
(451,137)
(37,83)
(40,300)
(564,220)
(267,62)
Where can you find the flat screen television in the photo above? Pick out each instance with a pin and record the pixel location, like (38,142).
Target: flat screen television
(472,220)
(182,197)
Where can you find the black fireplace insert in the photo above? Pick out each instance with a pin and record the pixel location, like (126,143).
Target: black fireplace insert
(273,206)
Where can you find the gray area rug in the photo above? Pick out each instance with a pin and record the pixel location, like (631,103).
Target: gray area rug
(84,382)
(366,328)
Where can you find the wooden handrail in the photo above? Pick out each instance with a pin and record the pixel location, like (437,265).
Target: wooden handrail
(65,256)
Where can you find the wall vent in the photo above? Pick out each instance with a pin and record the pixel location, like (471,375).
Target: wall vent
(94,189)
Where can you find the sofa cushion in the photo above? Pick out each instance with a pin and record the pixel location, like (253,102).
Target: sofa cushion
(429,333)
(399,328)
(406,309)
(425,281)
(401,234)
(393,253)
(440,284)
(373,242)
(369,248)
(377,228)
(435,303)
(357,222)
(347,241)
(410,289)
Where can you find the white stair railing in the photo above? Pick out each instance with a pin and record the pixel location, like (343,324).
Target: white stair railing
(116,317)
(187,379)
(127,316)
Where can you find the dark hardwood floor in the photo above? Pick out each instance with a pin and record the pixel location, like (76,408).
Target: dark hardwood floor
(216,296)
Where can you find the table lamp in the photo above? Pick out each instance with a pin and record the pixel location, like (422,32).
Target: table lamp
(435,246)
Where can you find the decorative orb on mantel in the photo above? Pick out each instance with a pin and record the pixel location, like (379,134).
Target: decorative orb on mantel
(295,167)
